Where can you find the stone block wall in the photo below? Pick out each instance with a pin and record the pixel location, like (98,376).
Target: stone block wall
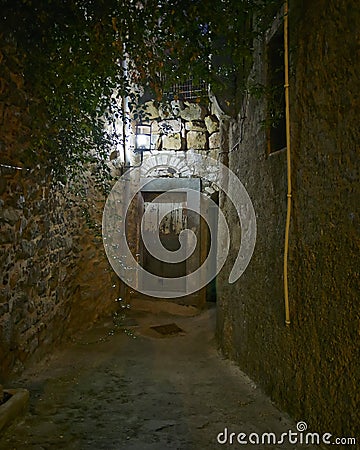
(185,125)
(54,276)
(37,252)
(311,369)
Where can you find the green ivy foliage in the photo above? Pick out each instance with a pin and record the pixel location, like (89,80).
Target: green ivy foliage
(74,53)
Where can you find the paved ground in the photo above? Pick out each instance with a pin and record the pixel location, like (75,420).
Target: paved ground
(156,392)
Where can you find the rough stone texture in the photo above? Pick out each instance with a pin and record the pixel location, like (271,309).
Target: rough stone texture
(171,142)
(53,276)
(192,111)
(196,140)
(195,125)
(33,283)
(97,285)
(186,126)
(212,124)
(170,126)
(311,368)
(214,141)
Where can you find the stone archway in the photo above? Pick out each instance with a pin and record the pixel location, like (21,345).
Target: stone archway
(165,164)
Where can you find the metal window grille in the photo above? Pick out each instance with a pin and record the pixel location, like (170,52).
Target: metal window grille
(188,90)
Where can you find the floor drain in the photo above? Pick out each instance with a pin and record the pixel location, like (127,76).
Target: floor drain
(170,328)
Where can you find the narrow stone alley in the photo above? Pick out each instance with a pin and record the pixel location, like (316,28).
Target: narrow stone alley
(143,390)
(197,161)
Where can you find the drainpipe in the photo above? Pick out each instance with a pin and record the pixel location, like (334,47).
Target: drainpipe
(288,159)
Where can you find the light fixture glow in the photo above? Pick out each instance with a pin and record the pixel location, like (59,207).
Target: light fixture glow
(143,138)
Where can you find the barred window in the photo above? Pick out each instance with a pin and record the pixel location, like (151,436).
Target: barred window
(189,90)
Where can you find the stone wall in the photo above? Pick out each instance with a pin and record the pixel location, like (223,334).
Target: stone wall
(183,125)
(37,250)
(54,277)
(311,368)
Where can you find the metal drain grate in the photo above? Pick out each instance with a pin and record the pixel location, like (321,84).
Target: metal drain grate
(168,329)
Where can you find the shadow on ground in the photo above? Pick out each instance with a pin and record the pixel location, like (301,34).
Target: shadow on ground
(142,390)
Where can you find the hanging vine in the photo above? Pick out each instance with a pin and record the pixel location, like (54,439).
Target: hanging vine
(73,53)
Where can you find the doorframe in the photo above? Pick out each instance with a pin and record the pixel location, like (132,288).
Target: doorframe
(152,184)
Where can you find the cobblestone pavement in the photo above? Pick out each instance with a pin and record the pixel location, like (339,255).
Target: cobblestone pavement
(154,391)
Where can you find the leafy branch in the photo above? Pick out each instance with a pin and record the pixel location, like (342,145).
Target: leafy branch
(81,58)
